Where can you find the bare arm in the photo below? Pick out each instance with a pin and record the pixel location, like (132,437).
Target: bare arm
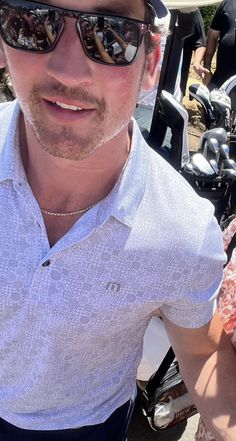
(199,54)
(205,55)
(104,55)
(48,31)
(212,40)
(207,362)
(197,62)
(119,40)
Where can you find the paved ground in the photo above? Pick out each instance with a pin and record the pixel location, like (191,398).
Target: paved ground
(141,431)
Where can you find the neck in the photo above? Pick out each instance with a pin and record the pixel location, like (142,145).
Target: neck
(61,185)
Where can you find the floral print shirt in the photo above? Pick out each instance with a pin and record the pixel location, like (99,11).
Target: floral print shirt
(227,311)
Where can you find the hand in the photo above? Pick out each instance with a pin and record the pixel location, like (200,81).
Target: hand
(207,76)
(203,73)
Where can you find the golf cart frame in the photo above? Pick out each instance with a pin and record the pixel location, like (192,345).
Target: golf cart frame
(182,27)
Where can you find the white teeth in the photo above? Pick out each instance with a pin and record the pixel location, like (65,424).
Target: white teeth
(67,106)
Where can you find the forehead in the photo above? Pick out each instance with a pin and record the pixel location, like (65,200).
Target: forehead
(130,8)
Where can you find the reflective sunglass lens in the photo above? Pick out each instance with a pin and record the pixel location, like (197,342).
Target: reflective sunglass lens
(35,30)
(37,27)
(109,40)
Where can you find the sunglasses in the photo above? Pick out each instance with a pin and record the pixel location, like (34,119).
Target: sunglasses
(37,27)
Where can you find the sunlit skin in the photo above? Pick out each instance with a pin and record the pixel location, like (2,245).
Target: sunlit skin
(72,161)
(82,154)
(107,94)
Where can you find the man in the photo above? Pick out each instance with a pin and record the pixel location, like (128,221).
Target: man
(220,39)
(95,238)
(195,43)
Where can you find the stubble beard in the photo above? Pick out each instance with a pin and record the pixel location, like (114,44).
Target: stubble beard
(66,142)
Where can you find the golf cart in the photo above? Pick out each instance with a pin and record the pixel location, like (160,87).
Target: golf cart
(167,113)
(208,180)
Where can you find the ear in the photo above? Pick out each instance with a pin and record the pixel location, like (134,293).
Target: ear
(3,62)
(152,67)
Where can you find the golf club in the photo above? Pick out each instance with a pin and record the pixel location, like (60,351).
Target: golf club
(228,163)
(214,165)
(229,173)
(221,104)
(202,95)
(211,145)
(218,133)
(224,150)
(229,84)
(201,164)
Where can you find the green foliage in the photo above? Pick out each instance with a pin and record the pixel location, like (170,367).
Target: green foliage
(207,15)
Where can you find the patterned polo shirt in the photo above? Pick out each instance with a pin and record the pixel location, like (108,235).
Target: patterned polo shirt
(73,316)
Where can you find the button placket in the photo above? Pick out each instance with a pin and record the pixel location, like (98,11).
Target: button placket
(46,263)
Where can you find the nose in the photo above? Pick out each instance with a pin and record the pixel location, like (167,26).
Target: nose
(68,63)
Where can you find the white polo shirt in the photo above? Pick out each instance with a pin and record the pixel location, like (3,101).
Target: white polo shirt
(72,317)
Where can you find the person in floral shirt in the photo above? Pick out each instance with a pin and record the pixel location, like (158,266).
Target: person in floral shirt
(227,311)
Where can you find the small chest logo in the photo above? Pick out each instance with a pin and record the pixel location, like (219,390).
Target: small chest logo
(113,286)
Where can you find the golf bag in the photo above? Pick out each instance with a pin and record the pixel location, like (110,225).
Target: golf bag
(165,400)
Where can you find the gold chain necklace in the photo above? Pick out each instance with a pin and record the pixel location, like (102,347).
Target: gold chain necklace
(83,210)
(70,213)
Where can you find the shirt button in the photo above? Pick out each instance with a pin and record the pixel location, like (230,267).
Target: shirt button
(46,263)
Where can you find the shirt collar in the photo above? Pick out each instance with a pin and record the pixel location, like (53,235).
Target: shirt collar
(124,199)
(121,203)
(10,159)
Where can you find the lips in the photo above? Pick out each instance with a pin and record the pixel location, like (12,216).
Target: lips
(66,112)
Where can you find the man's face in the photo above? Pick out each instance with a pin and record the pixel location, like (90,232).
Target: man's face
(46,84)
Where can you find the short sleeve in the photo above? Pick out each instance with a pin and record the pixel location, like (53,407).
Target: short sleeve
(196,305)
(217,19)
